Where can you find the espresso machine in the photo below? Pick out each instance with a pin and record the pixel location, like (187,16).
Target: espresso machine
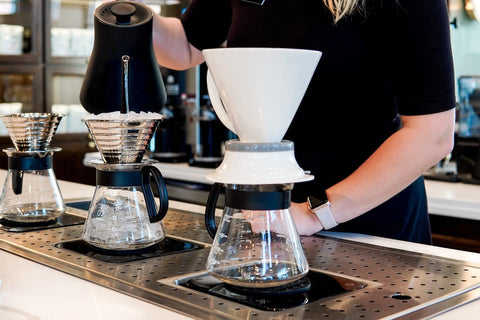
(467,146)
(30,193)
(210,132)
(169,141)
(256,247)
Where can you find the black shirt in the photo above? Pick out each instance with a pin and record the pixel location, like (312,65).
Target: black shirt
(393,59)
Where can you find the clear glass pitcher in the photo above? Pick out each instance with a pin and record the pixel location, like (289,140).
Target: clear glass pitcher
(30,192)
(256,244)
(123,213)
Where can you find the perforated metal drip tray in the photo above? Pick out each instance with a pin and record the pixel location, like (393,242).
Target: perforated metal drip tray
(385,283)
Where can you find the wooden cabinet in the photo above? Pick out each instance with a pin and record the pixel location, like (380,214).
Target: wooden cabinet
(21,54)
(46,72)
(455,233)
(42,69)
(21,32)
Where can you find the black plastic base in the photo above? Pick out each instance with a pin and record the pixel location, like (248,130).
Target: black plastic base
(64,220)
(297,287)
(314,286)
(164,247)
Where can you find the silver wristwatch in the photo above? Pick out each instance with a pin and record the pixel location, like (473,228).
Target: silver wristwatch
(321,208)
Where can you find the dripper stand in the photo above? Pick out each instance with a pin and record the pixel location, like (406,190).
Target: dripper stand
(31,194)
(256,93)
(123,219)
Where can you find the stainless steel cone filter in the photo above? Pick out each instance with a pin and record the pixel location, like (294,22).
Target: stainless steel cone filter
(122,141)
(31,131)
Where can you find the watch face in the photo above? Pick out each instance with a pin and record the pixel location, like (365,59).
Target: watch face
(315,202)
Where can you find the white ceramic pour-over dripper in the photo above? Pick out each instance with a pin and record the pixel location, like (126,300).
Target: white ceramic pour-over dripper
(256,91)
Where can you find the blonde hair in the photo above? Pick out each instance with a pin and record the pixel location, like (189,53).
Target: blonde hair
(342,8)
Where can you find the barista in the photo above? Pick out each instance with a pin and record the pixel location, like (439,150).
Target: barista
(379,110)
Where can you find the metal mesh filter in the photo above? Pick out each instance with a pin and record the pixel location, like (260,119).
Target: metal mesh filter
(122,141)
(398,284)
(31,131)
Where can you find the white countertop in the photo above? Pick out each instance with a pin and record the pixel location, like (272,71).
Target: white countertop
(29,290)
(453,199)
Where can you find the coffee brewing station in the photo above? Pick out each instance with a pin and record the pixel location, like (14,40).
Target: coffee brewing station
(240,259)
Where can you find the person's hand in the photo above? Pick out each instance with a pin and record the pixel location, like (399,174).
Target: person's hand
(262,220)
(305,220)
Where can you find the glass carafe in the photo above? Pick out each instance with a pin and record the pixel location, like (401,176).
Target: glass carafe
(256,244)
(31,193)
(123,213)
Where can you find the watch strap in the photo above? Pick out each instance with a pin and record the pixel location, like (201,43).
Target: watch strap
(321,208)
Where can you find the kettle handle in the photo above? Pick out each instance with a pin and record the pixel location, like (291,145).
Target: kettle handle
(217,102)
(211,207)
(146,172)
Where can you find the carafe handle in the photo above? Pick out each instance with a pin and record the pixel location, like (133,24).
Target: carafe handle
(211,207)
(146,173)
(217,103)
(17,181)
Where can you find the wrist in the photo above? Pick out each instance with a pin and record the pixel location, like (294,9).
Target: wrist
(320,206)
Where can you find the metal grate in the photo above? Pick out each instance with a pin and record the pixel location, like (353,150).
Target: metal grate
(398,283)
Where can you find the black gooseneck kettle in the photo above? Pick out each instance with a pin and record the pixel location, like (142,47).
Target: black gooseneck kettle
(112,81)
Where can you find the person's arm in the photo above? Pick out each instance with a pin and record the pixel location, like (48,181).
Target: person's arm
(421,143)
(172,48)
(170,43)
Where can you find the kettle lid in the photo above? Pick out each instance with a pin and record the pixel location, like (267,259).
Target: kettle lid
(123,13)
